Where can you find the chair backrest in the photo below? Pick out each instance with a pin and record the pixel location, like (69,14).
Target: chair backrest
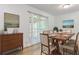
(76,42)
(46,32)
(44,39)
(77,38)
(67,31)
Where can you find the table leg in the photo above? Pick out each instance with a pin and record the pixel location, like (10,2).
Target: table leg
(58,49)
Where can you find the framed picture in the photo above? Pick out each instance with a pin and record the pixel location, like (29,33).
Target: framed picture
(11,20)
(68,23)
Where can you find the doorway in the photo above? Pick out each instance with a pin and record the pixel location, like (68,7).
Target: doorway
(37,25)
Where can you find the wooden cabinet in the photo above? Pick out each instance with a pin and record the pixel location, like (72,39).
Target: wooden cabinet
(10,41)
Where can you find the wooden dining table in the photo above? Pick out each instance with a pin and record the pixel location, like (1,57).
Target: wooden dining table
(63,37)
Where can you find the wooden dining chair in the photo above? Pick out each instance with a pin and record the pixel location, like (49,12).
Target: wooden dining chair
(71,47)
(46,44)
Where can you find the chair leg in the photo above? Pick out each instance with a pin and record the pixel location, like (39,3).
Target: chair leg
(75,52)
(63,51)
(48,51)
(41,49)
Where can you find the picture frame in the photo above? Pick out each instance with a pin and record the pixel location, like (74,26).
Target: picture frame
(69,23)
(11,20)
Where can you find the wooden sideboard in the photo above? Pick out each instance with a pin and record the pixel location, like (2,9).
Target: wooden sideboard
(10,41)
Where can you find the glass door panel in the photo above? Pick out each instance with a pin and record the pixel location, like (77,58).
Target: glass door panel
(38,27)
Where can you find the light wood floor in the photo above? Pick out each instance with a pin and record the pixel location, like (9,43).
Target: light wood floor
(33,50)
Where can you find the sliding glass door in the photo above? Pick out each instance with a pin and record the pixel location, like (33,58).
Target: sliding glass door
(38,27)
(38,24)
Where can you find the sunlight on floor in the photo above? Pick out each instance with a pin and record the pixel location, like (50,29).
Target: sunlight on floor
(33,50)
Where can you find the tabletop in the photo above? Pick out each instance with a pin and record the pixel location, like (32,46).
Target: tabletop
(61,36)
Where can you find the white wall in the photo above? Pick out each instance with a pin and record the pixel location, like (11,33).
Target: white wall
(24,19)
(59,20)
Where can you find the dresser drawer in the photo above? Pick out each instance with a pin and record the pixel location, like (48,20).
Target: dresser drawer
(7,37)
(9,47)
(10,41)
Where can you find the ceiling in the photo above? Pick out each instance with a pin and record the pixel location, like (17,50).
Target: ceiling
(55,9)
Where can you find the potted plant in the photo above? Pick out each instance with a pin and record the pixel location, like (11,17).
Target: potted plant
(55,29)
(5,30)
(60,30)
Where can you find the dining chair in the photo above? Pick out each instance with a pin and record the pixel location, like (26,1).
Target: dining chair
(46,32)
(46,44)
(71,47)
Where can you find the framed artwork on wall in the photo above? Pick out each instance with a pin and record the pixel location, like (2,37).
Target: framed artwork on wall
(11,20)
(68,23)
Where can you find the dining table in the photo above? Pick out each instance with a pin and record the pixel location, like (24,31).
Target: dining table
(60,37)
